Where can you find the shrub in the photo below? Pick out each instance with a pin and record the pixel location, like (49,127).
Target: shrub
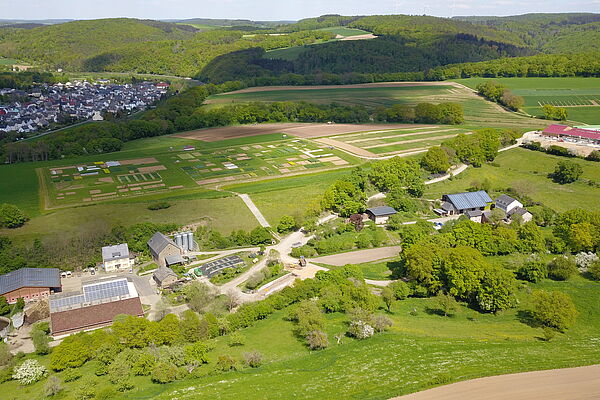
(5,354)
(561,268)
(584,260)
(29,372)
(401,289)
(567,172)
(254,359)
(317,340)
(594,270)
(553,309)
(11,216)
(107,393)
(226,363)
(4,306)
(236,339)
(381,322)
(71,374)
(52,386)
(40,342)
(159,206)
(360,330)
(164,372)
(533,271)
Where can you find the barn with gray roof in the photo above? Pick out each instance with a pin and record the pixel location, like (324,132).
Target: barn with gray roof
(460,203)
(162,247)
(30,283)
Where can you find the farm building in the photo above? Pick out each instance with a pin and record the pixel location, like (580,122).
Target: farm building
(115,258)
(162,247)
(512,207)
(460,203)
(95,306)
(380,215)
(30,284)
(164,277)
(475,215)
(567,132)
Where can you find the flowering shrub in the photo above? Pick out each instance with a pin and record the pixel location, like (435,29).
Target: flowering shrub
(584,260)
(29,372)
(360,330)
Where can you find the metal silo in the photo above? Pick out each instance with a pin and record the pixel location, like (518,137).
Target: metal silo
(184,243)
(178,240)
(190,236)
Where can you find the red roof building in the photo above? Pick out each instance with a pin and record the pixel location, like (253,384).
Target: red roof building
(93,317)
(563,131)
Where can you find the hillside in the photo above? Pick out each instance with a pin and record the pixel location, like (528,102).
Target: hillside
(549,33)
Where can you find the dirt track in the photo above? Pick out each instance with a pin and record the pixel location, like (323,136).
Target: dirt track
(306,130)
(555,384)
(359,256)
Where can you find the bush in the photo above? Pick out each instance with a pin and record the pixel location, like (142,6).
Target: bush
(360,330)
(584,260)
(5,354)
(164,372)
(4,306)
(562,268)
(553,309)
(226,363)
(254,359)
(381,322)
(533,271)
(567,172)
(159,206)
(317,340)
(11,216)
(236,339)
(401,289)
(71,374)
(40,342)
(52,386)
(594,270)
(29,372)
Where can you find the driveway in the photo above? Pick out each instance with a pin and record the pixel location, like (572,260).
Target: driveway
(359,256)
(555,384)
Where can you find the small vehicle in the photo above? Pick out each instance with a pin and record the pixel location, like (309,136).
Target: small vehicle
(92,271)
(296,245)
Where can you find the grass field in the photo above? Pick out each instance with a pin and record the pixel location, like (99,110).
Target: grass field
(581,96)
(421,350)
(528,170)
(8,61)
(345,32)
(478,112)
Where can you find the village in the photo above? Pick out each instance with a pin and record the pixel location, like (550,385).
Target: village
(45,106)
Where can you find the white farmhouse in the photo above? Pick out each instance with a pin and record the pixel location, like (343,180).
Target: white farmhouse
(115,258)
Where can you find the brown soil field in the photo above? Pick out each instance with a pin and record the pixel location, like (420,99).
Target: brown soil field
(352,86)
(295,129)
(555,384)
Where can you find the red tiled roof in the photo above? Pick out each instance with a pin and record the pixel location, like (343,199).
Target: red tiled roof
(556,129)
(93,316)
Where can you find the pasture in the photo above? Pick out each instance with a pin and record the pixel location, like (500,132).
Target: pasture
(463,346)
(8,61)
(527,171)
(581,96)
(478,112)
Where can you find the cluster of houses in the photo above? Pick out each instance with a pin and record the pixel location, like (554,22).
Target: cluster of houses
(477,206)
(43,105)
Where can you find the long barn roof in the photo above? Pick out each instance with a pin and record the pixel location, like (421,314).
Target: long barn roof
(466,200)
(29,277)
(556,129)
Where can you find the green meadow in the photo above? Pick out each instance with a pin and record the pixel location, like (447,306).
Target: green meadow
(581,96)
(422,349)
(528,171)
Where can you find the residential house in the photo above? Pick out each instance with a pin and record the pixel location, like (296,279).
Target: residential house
(115,258)
(164,277)
(380,215)
(512,208)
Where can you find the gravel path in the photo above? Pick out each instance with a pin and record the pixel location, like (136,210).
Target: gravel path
(259,216)
(359,256)
(555,384)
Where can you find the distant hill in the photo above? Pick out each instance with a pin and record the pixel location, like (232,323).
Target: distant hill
(549,33)
(230,22)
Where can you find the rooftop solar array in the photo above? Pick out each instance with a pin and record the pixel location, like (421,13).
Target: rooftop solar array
(91,293)
(214,267)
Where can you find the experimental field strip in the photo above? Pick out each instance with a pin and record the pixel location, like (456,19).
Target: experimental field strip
(398,135)
(412,141)
(384,131)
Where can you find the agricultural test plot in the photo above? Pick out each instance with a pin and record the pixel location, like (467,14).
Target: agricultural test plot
(244,162)
(106,180)
(398,141)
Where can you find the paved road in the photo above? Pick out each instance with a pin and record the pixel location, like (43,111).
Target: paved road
(555,384)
